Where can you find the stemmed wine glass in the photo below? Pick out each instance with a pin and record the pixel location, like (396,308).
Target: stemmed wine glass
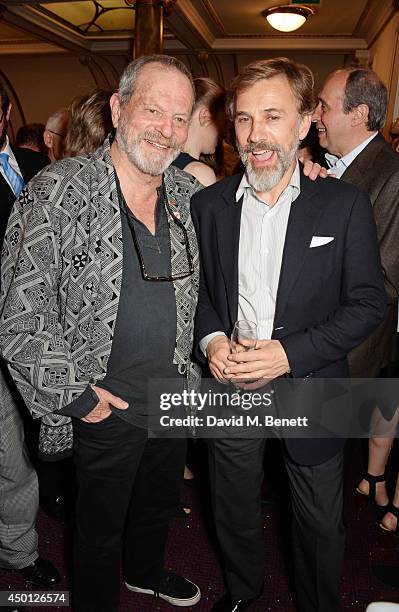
(243,337)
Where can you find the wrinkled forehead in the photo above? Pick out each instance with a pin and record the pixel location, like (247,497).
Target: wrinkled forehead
(272,92)
(154,77)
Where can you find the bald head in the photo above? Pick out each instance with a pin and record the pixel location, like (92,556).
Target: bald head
(54,133)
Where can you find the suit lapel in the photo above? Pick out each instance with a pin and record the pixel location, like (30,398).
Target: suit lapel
(358,171)
(5,187)
(228,239)
(304,215)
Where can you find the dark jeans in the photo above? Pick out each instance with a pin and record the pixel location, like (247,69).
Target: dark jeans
(128,489)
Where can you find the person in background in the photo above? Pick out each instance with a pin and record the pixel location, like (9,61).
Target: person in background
(394,134)
(89,123)
(205,129)
(54,134)
(351,111)
(309,148)
(30,136)
(17,165)
(19,495)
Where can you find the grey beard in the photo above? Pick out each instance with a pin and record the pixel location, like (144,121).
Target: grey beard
(265,179)
(151,166)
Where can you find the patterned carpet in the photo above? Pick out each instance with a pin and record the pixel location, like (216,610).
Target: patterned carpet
(192,551)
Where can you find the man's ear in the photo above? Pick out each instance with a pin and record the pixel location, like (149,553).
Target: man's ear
(304,126)
(204,116)
(360,115)
(115,105)
(48,139)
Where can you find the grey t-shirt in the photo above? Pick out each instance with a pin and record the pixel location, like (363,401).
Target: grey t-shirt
(145,331)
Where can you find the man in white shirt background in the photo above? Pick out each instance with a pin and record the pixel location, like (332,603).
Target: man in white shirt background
(17,166)
(351,111)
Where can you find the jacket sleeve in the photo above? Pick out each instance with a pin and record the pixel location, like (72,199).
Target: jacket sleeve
(362,303)
(31,334)
(386,208)
(207,320)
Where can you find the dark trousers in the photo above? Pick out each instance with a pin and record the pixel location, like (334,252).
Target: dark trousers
(128,489)
(318,535)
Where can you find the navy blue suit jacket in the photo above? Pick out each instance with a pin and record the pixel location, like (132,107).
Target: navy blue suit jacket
(329,299)
(30,163)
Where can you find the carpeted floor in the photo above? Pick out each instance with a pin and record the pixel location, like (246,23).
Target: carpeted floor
(192,551)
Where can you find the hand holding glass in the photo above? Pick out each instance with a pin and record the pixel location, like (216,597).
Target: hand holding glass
(244,336)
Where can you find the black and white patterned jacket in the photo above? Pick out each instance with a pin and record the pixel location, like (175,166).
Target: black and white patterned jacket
(61,279)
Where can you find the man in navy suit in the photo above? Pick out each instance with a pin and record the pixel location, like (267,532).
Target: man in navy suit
(300,258)
(24,162)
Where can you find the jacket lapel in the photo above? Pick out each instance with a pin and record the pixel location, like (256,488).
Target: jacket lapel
(228,239)
(6,187)
(304,215)
(358,171)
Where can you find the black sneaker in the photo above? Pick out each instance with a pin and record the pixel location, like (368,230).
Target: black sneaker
(174,589)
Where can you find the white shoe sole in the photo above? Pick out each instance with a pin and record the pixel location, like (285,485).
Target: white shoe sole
(174,601)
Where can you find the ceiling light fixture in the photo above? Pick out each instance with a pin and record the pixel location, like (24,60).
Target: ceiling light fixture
(287,18)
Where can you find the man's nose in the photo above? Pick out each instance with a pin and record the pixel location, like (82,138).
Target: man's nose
(317,113)
(258,131)
(166,126)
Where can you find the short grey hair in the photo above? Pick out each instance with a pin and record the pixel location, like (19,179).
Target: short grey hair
(363,86)
(128,80)
(56,120)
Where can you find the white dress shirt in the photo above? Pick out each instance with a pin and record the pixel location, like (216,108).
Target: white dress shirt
(338,165)
(262,237)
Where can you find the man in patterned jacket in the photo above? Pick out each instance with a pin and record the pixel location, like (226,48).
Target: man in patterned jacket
(100,269)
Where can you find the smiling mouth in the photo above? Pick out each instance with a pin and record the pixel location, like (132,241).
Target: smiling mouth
(263,155)
(158,145)
(321,130)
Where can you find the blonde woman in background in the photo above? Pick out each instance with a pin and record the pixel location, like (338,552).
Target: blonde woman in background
(89,123)
(205,130)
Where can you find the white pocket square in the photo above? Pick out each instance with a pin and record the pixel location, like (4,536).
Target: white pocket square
(320,241)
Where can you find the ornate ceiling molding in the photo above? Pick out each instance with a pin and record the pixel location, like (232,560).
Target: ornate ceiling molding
(192,17)
(210,9)
(191,26)
(29,47)
(374,19)
(306,43)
